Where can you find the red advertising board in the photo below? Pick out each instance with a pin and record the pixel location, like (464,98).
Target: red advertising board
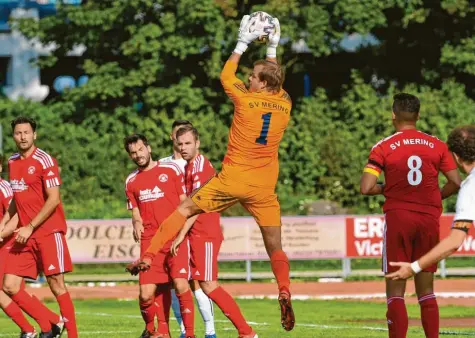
(364,236)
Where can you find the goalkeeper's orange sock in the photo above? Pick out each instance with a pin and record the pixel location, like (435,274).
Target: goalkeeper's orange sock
(281,268)
(167,230)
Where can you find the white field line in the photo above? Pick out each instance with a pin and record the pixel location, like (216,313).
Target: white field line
(356,296)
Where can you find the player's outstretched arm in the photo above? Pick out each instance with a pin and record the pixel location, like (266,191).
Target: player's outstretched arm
(444,249)
(274,38)
(182,234)
(453,183)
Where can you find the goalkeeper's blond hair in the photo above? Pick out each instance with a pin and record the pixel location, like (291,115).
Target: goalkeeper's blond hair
(272,73)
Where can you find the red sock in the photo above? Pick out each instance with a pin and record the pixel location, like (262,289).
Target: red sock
(14,312)
(161,304)
(281,268)
(23,299)
(66,307)
(397,317)
(167,303)
(430,315)
(187,309)
(148,311)
(230,309)
(52,317)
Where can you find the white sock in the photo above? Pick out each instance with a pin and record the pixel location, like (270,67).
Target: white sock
(177,312)
(205,305)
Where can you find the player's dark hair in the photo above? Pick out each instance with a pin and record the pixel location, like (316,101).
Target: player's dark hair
(462,142)
(186,129)
(272,73)
(178,123)
(406,107)
(23,120)
(132,139)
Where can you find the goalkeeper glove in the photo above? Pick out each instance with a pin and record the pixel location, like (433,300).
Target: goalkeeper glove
(273,39)
(245,37)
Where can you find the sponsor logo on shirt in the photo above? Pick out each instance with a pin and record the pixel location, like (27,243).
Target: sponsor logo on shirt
(18,185)
(149,195)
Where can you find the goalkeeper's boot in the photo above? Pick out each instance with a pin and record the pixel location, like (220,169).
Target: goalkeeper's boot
(287,317)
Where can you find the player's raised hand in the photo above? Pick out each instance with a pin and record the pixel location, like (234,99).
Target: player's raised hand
(405,271)
(274,38)
(245,37)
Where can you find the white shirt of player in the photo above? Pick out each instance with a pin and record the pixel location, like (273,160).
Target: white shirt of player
(465,209)
(178,161)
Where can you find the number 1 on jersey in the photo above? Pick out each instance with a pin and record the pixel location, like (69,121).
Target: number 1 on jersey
(262,139)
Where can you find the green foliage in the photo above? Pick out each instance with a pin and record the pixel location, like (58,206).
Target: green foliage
(150,62)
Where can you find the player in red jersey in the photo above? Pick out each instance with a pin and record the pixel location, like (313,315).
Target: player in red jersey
(411,161)
(205,234)
(40,242)
(153,192)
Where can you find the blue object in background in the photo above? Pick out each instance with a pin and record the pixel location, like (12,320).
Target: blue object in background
(82,80)
(306,85)
(63,82)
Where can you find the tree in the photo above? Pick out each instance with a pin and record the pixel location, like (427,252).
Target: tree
(150,62)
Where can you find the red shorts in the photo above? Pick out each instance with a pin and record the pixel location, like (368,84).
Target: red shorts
(204,259)
(49,254)
(165,266)
(408,235)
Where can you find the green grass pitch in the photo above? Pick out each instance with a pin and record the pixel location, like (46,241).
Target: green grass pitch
(115,318)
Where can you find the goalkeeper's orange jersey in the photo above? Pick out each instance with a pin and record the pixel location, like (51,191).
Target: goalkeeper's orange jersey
(259,122)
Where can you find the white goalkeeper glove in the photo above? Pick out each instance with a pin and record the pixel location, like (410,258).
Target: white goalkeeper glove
(245,37)
(273,40)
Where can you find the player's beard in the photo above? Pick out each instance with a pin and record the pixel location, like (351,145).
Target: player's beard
(146,163)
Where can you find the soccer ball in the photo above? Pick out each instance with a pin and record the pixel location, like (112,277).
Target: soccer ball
(263,23)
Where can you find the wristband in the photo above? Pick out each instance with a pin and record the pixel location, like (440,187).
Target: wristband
(241,47)
(416,267)
(31,226)
(271,52)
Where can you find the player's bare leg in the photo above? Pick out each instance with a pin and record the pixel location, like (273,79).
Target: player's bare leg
(187,307)
(424,282)
(397,312)
(148,308)
(66,306)
(229,307)
(272,237)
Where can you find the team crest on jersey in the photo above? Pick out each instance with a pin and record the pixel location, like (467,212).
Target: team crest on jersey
(31,170)
(163,178)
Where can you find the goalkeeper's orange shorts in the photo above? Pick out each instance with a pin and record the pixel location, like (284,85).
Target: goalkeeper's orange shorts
(219,194)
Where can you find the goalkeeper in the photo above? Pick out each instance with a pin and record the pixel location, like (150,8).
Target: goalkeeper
(250,167)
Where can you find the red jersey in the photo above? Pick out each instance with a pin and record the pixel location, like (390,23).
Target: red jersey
(411,161)
(6,194)
(197,173)
(156,193)
(29,179)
